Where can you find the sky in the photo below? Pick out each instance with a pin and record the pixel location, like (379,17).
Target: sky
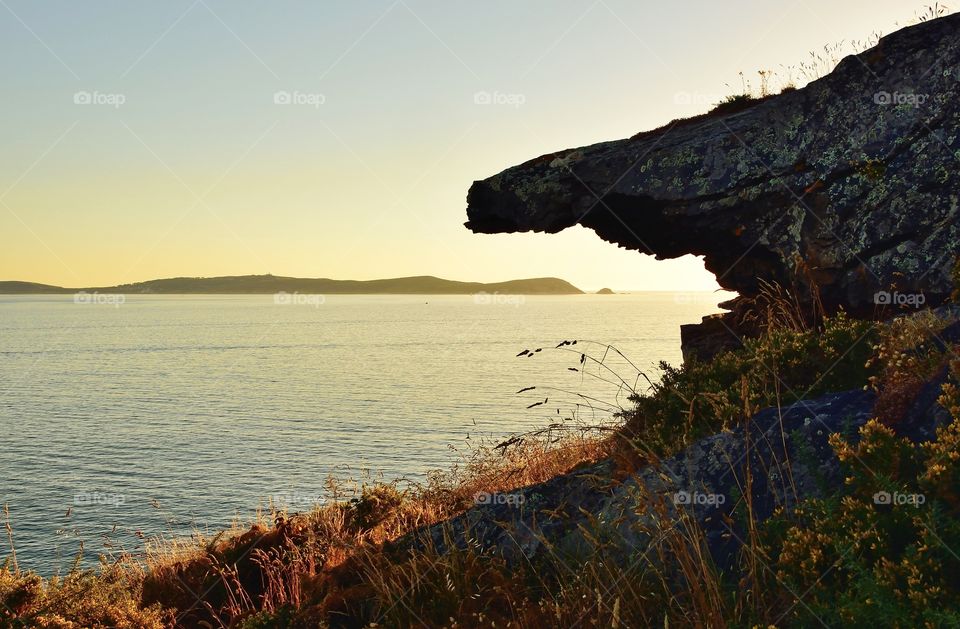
(339,138)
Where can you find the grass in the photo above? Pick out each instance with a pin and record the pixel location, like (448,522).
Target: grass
(283,562)
(818,64)
(733,104)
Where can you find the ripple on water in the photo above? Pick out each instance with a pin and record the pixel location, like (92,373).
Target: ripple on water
(209,406)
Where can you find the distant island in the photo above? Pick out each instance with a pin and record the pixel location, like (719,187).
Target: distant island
(265,284)
(605,291)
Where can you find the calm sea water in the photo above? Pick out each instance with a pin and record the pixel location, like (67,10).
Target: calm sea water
(161,415)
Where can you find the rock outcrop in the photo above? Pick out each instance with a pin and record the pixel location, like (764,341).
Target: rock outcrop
(850,184)
(706,480)
(782,456)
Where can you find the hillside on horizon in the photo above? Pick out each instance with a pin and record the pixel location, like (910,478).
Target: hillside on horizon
(263,284)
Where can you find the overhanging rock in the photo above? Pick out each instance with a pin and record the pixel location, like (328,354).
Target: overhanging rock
(849,184)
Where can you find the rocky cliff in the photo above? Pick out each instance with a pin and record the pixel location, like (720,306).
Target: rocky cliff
(849,185)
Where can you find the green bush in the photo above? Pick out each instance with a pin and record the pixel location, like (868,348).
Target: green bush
(861,559)
(733,104)
(781,367)
(376,503)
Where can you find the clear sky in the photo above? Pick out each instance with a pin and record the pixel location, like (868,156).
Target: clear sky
(144,139)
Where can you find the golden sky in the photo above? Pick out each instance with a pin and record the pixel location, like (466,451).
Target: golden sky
(338,139)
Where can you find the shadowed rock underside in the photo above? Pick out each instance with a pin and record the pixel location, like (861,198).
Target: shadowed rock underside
(849,185)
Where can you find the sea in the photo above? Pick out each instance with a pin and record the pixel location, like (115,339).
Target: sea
(128,418)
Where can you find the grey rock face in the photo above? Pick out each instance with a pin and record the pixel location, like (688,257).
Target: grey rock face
(851,183)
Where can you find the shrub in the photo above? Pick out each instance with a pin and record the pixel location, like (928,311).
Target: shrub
(906,355)
(376,503)
(781,367)
(881,553)
(83,598)
(734,103)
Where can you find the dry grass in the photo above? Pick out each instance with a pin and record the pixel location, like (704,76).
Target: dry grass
(273,566)
(522,461)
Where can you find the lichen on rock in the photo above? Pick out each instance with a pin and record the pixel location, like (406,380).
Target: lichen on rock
(855,176)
